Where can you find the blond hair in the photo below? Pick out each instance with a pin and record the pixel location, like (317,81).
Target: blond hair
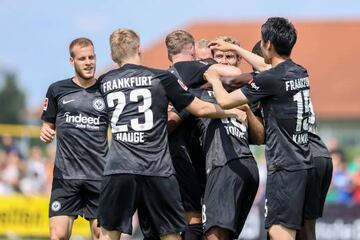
(229,40)
(81,42)
(124,43)
(202,43)
(176,41)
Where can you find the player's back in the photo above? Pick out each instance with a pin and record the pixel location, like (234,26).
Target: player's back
(137,98)
(284,95)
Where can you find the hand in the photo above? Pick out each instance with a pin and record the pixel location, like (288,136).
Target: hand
(240,115)
(211,75)
(47,134)
(244,107)
(221,45)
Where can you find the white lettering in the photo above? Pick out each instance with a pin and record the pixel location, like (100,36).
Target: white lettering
(133,137)
(126,83)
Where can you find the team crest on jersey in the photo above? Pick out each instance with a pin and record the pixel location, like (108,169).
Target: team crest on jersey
(55,206)
(46,103)
(99,104)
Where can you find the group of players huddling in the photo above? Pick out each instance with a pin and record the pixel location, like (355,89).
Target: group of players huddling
(180,154)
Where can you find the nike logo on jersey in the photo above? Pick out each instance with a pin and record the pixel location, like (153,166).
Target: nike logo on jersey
(68,101)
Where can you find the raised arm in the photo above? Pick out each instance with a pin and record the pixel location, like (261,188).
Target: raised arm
(254,60)
(201,108)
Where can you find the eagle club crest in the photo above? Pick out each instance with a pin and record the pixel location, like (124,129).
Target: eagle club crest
(99,104)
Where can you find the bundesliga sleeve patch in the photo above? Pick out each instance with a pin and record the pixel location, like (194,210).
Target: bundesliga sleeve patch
(46,103)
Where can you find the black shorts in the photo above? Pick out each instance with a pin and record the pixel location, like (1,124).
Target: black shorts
(73,197)
(229,194)
(286,193)
(319,180)
(190,188)
(157,199)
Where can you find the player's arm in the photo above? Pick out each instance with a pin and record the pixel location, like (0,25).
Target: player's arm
(254,60)
(255,126)
(174,119)
(47,132)
(201,108)
(225,100)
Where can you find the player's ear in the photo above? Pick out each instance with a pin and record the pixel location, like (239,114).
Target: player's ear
(71,60)
(139,51)
(268,46)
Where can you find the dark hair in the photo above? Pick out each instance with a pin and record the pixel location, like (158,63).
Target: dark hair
(281,33)
(257,49)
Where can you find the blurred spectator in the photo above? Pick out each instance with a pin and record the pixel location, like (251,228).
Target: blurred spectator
(356,180)
(10,146)
(9,173)
(341,189)
(35,178)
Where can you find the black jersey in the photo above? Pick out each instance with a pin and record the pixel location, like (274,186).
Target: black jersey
(284,95)
(222,140)
(81,125)
(317,146)
(192,72)
(137,98)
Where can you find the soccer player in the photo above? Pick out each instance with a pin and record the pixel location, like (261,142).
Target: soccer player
(319,177)
(75,110)
(187,155)
(284,95)
(227,57)
(139,173)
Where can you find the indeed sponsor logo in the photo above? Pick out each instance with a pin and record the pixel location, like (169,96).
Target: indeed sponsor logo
(81,119)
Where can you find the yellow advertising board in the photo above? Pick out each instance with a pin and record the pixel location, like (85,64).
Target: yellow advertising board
(28,216)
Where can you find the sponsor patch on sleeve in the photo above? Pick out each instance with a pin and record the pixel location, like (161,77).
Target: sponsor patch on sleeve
(182,84)
(46,103)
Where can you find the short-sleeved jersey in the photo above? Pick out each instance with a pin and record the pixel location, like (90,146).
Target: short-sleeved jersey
(181,146)
(81,124)
(137,98)
(284,95)
(222,140)
(317,146)
(192,72)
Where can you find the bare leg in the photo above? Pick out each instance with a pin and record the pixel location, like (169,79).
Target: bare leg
(60,227)
(217,233)
(278,232)
(95,230)
(171,236)
(109,235)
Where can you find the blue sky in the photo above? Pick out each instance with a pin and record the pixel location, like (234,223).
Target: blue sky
(35,34)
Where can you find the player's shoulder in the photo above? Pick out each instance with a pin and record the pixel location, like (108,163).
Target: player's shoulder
(65,83)
(194,63)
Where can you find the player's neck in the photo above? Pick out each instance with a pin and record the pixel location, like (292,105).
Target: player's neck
(181,58)
(276,60)
(84,83)
(131,60)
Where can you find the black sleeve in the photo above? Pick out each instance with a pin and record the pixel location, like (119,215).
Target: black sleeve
(256,109)
(175,91)
(50,106)
(192,72)
(263,85)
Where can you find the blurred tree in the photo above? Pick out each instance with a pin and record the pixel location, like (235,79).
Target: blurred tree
(12,100)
